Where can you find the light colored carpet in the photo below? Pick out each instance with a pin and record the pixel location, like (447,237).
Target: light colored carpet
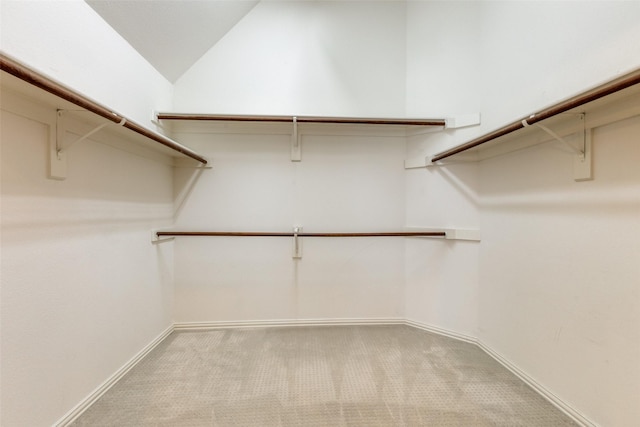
(320,376)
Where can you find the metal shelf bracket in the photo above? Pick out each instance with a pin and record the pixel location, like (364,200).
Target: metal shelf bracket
(58,149)
(582,159)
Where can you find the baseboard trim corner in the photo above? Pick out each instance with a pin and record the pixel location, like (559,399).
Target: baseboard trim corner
(556,401)
(76,411)
(441,331)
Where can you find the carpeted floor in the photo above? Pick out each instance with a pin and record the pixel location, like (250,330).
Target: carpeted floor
(320,376)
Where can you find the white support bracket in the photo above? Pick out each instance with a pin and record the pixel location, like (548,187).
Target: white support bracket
(422,162)
(557,137)
(58,149)
(296,152)
(297,243)
(462,121)
(451,233)
(155,240)
(454,122)
(182,163)
(582,159)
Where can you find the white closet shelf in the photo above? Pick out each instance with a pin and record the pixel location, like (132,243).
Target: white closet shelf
(20,79)
(303,119)
(612,101)
(316,124)
(297,234)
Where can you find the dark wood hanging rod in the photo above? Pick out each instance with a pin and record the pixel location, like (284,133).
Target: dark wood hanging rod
(23,72)
(291,234)
(609,88)
(300,119)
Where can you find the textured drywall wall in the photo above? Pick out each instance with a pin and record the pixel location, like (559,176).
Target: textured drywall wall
(558,291)
(442,57)
(343,183)
(560,267)
(442,277)
(507,53)
(70,42)
(442,66)
(534,54)
(322,58)
(506,60)
(83,290)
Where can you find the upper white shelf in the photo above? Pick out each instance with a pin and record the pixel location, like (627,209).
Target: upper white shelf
(19,78)
(396,123)
(302,119)
(615,100)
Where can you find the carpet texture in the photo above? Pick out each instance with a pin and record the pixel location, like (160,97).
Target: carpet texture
(320,376)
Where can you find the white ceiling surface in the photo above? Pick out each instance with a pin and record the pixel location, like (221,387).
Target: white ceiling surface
(172,34)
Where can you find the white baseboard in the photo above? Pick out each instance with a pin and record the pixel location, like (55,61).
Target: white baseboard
(441,331)
(202,326)
(567,409)
(74,413)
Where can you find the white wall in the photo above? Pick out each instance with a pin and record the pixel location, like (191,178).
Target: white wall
(562,308)
(569,324)
(506,60)
(559,271)
(442,81)
(343,183)
(442,277)
(442,57)
(83,290)
(558,293)
(70,42)
(535,54)
(324,58)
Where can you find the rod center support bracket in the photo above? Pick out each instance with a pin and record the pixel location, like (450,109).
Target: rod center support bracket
(296,151)
(297,243)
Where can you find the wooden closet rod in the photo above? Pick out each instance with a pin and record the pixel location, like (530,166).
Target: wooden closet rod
(290,234)
(577,101)
(21,71)
(301,119)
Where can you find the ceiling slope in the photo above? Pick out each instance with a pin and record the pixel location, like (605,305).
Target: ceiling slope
(172,34)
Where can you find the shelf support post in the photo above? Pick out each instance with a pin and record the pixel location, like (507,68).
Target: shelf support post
(582,163)
(297,243)
(58,158)
(296,152)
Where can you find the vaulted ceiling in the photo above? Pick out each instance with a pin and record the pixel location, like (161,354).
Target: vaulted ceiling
(172,34)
